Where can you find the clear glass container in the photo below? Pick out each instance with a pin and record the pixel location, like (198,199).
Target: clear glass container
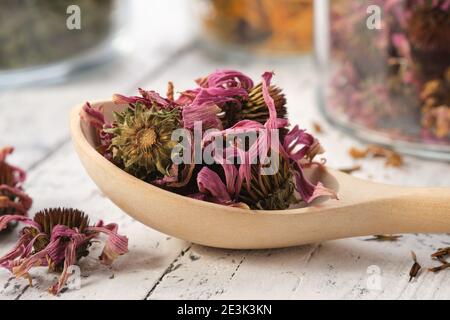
(387,67)
(269,27)
(46,40)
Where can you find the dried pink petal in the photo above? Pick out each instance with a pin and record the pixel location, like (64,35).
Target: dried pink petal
(309,191)
(226,78)
(298,144)
(206,114)
(116,244)
(92,116)
(209,182)
(6,219)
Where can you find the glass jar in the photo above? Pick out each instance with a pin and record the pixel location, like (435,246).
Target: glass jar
(46,39)
(388,72)
(274,27)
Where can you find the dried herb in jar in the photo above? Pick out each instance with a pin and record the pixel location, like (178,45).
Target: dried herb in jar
(34,33)
(393,80)
(269,26)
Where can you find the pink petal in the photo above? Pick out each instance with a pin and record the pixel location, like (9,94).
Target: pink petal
(18,250)
(206,114)
(273,122)
(267,77)
(92,116)
(116,244)
(309,191)
(231,174)
(226,78)
(5,220)
(298,144)
(210,183)
(154,97)
(120,99)
(21,270)
(69,260)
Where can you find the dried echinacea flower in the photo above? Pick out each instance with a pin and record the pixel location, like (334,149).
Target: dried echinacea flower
(142,142)
(235,98)
(13,200)
(270,192)
(245,183)
(254,107)
(415,269)
(139,141)
(58,238)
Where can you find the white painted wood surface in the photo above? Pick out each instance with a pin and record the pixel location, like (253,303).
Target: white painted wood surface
(34,120)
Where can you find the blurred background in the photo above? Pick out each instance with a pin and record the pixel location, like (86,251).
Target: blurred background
(379,70)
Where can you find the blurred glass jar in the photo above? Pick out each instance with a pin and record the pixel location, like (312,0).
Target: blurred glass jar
(273,27)
(389,72)
(41,41)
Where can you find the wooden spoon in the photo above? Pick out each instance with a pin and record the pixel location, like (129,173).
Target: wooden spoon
(364,208)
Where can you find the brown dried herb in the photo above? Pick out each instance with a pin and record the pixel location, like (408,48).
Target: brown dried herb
(317,127)
(440,268)
(384,237)
(442,252)
(350,170)
(415,269)
(441,256)
(393,159)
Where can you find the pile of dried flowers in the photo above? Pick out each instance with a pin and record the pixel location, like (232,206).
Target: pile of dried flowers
(226,104)
(13,200)
(396,78)
(57,238)
(54,238)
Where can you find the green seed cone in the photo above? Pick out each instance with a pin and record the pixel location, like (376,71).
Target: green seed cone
(255,108)
(270,192)
(142,143)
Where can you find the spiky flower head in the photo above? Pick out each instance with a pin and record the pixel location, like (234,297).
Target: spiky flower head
(13,200)
(270,192)
(254,107)
(57,238)
(141,142)
(47,219)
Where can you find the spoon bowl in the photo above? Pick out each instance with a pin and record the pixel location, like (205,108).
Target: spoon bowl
(364,208)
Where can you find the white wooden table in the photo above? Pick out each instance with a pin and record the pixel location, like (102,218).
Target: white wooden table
(35,121)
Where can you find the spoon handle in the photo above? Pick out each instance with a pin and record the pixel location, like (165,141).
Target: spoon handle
(412,210)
